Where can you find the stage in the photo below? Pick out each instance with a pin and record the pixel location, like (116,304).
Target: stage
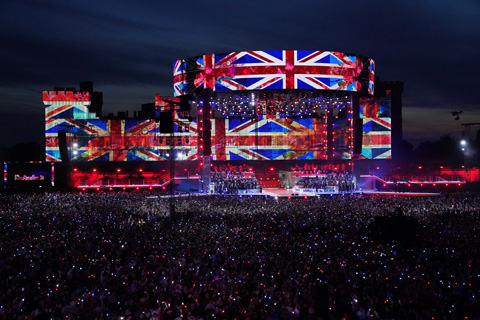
(291,193)
(299,193)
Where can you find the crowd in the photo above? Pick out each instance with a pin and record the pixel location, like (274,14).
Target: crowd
(228,183)
(341,179)
(228,179)
(318,177)
(121,256)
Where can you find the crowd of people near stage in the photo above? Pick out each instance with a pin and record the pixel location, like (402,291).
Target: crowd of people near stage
(342,181)
(228,179)
(319,177)
(122,256)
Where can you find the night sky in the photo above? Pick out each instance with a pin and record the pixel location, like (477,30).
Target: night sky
(127,48)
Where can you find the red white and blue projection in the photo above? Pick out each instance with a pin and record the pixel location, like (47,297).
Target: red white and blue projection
(89,138)
(269,139)
(262,105)
(281,125)
(267,70)
(377,127)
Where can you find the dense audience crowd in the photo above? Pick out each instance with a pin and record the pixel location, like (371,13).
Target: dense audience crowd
(342,180)
(121,256)
(319,177)
(228,179)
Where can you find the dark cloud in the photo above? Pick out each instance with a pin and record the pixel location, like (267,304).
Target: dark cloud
(128,48)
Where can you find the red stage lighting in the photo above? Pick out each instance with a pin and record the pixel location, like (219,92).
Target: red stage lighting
(118,170)
(271,169)
(94,170)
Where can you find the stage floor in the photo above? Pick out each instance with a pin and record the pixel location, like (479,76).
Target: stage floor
(293,193)
(281,193)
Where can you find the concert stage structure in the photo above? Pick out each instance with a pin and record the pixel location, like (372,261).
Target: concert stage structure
(255,113)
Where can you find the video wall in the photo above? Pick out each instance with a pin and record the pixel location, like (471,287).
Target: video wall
(89,138)
(280,139)
(283,69)
(377,127)
(120,140)
(302,125)
(268,139)
(33,174)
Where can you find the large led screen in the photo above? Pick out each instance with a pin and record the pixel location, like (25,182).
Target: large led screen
(269,139)
(287,69)
(29,174)
(89,138)
(67,105)
(120,140)
(377,127)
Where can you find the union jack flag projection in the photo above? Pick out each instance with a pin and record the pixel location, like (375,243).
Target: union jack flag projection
(67,104)
(269,139)
(377,128)
(92,139)
(287,69)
